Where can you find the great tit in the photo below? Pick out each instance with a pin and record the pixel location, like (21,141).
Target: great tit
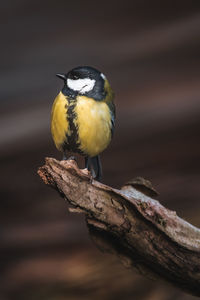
(83,116)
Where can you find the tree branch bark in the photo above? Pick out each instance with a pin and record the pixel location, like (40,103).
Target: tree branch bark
(137,228)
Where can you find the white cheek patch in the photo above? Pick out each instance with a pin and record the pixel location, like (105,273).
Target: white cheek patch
(81,85)
(103,76)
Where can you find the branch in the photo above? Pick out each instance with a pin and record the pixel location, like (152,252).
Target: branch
(137,228)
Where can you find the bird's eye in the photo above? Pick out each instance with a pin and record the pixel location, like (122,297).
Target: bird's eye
(75,77)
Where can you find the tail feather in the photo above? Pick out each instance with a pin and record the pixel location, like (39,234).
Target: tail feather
(93,164)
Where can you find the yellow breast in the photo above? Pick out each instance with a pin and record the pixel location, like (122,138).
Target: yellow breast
(94,125)
(59,123)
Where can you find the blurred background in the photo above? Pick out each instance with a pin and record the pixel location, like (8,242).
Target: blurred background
(149,50)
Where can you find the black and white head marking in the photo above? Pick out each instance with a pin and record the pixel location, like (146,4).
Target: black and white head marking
(103,76)
(85,81)
(81,85)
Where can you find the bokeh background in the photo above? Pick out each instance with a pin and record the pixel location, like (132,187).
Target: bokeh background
(149,50)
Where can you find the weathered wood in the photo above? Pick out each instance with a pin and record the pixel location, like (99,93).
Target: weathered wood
(129,223)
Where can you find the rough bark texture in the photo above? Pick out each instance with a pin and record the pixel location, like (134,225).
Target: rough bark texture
(131,224)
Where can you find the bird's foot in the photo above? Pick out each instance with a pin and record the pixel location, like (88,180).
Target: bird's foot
(64,157)
(68,158)
(72,158)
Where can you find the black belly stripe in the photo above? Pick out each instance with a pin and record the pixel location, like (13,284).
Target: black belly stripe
(72,143)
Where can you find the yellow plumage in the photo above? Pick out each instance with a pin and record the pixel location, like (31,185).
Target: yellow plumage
(94,125)
(59,123)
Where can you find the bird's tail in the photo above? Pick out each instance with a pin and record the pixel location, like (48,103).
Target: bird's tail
(93,164)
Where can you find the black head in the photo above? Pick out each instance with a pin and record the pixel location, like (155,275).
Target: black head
(84,80)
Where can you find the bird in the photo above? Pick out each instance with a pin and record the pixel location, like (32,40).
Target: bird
(83,116)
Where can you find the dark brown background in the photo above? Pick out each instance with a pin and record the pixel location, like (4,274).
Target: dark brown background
(149,51)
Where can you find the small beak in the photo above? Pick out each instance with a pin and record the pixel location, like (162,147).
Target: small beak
(62,76)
